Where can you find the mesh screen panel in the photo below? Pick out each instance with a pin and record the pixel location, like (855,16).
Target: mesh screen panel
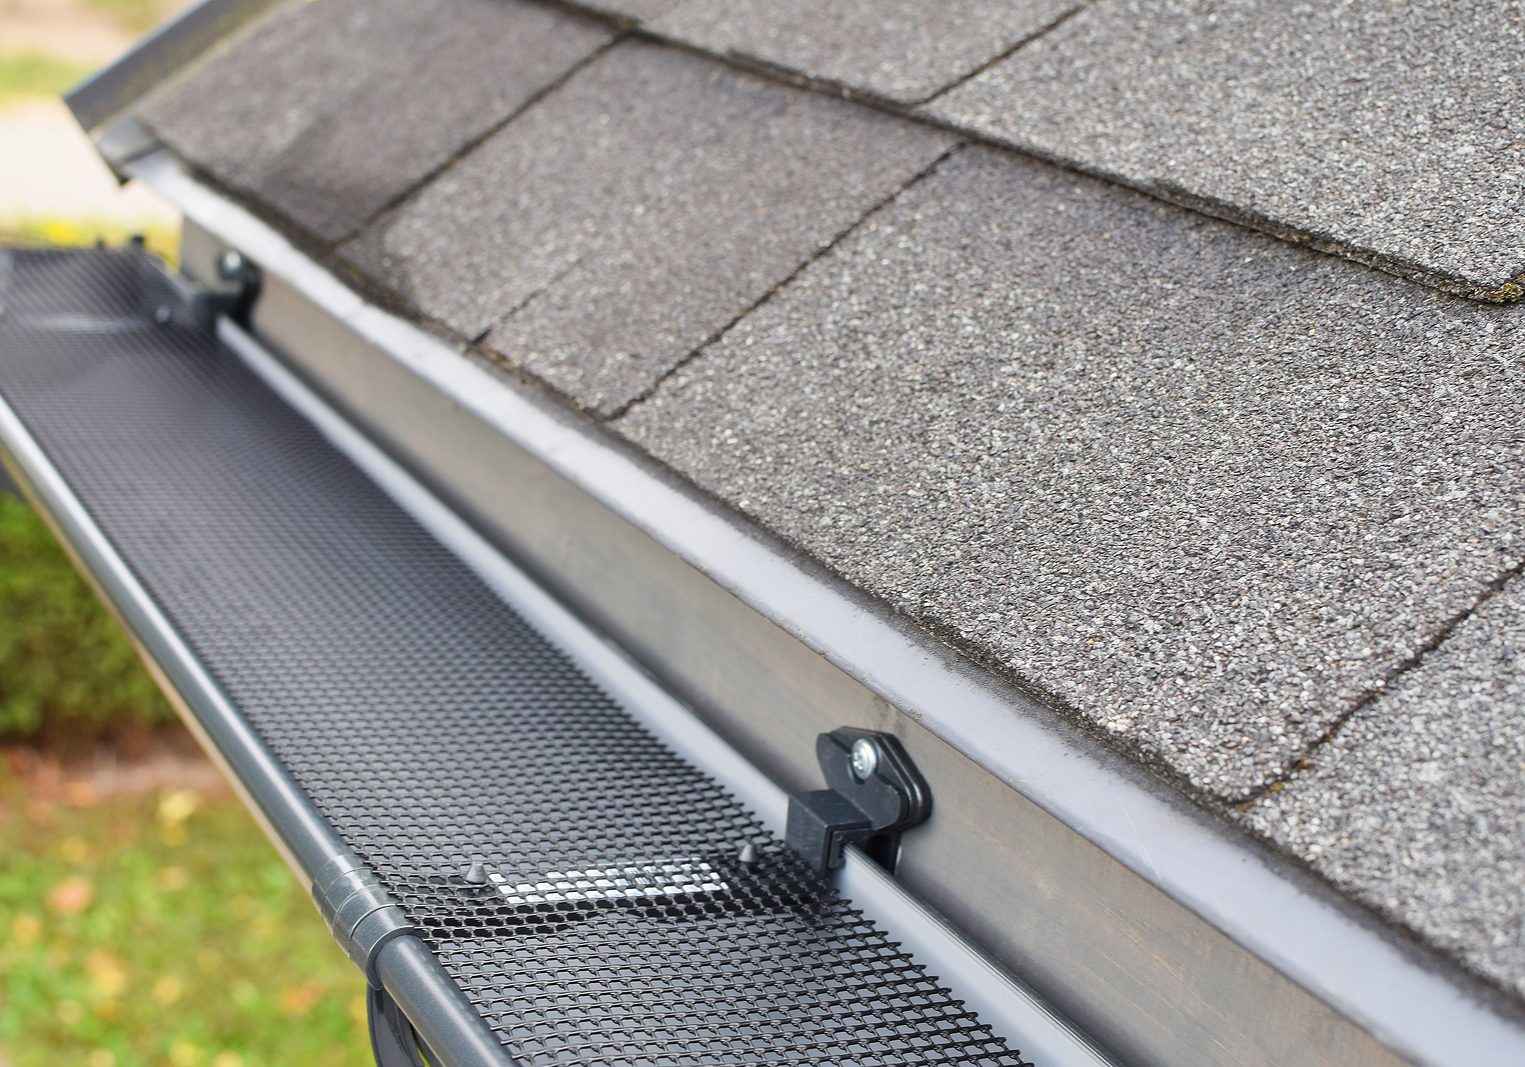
(434,728)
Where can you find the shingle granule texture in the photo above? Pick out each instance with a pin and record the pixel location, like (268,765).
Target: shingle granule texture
(332,109)
(1417,805)
(609,231)
(1389,130)
(905,50)
(1204,488)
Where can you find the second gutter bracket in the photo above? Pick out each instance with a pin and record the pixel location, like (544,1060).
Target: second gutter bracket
(875,792)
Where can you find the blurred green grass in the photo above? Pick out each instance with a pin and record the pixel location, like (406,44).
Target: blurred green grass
(68,677)
(28,74)
(152,929)
(162,929)
(138,930)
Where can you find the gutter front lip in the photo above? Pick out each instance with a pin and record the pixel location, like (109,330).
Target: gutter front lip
(1417,1004)
(407,969)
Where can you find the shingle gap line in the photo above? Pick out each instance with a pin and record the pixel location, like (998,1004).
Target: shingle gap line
(783,283)
(620,33)
(1508,293)
(1002,57)
(1433,644)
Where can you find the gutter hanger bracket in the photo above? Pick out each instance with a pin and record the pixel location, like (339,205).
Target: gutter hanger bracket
(232,298)
(875,792)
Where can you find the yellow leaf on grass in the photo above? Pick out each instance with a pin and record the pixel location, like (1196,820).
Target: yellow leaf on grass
(167,990)
(107,974)
(176,806)
(227,1059)
(25,929)
(183,1053)
(73,850)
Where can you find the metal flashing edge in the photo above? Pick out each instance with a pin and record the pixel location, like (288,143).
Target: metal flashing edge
(106,94)
(1413,1004)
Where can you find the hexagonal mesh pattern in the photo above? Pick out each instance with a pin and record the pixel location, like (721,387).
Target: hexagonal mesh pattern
(608,920)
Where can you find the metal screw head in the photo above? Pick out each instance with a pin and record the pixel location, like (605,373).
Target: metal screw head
(864,759)
(231,266)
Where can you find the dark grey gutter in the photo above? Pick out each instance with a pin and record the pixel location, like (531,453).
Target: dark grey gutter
(378,938)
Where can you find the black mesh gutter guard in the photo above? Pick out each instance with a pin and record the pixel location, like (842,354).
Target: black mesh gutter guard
(513,858)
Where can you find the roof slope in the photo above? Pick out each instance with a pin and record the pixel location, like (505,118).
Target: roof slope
(1386,130)
(334,109)
(1209,492)
(1431,780)
(598,261)
(1207,489)
(906,51)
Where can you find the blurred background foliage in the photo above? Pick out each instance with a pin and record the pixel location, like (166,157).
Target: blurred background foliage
(160,928)
(144,918)
(30,74)
(69,679)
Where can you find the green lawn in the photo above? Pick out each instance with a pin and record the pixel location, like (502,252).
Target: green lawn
(163,929)
(149,929)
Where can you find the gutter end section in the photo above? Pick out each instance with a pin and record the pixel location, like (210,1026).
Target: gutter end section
(101,102)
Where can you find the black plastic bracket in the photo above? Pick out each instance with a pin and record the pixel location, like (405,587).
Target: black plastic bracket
(875,793)
(394,1042)
(233,296)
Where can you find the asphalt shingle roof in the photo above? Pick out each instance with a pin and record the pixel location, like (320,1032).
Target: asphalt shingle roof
(1212,493)
(1417,805)
(330,110)
(903,51)
(1203,487)
(619,224)
(1390,131)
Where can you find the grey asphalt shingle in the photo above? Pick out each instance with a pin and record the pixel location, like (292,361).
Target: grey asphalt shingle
(905,50)
(334,108)
(1388,130)
(1417,805)
(634,10)
(607,232)
(1203,487)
